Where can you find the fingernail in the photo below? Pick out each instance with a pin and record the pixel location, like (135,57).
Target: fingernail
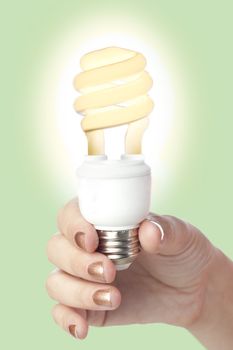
(80,239)
(159,227)
(102,297)
(96,270)
(73,330)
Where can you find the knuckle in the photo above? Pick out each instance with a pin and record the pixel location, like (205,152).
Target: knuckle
(50,283)
(51,246)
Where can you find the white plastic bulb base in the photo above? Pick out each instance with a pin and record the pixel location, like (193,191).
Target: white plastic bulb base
(114,195)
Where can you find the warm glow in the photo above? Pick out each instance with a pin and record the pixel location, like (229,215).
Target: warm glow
(60,137)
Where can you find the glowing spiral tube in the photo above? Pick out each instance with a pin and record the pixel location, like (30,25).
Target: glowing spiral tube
(113,87)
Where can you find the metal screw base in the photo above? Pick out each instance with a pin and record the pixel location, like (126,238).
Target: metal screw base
(121,247)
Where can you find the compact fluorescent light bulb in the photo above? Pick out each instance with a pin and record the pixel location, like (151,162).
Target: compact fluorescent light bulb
(114,195)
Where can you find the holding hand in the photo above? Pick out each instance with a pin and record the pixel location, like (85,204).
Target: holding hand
(179,280)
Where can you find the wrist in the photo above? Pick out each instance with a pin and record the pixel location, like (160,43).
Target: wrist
(214,326)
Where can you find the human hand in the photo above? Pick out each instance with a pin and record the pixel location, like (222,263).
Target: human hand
(167,283)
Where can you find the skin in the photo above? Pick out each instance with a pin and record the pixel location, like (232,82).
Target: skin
(182,280)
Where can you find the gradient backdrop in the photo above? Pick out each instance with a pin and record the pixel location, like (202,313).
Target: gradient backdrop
(194,42)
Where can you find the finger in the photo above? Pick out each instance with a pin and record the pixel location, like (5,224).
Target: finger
(165,234)
(89,266)
(149,237)
(75,292)
(75,228)
(70,320)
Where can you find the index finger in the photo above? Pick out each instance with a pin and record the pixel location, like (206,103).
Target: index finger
(75,228)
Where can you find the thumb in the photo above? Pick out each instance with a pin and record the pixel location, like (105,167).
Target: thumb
(165,234)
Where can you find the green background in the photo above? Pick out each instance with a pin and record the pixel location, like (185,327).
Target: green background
(202,191)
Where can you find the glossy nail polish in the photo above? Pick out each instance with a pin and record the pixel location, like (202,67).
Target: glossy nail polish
(80,239)
(73,331)
(102,297)
(96,270)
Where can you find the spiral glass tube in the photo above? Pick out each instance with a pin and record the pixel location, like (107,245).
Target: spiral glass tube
(113,87)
